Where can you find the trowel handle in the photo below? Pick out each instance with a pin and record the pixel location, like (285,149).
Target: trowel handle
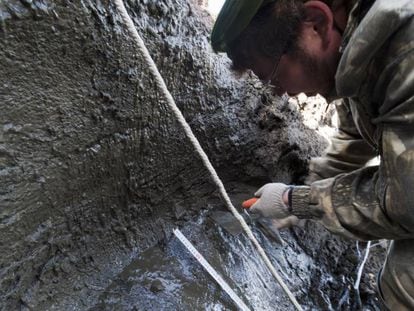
(248,203)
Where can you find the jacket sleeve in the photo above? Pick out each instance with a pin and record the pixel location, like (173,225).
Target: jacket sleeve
(374,202)
(347,151)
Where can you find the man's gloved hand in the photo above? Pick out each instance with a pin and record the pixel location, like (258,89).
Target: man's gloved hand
(272,201)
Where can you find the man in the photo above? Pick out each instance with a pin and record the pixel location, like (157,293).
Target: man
(363,52)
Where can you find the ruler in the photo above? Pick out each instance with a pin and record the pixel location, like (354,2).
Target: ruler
(211,270)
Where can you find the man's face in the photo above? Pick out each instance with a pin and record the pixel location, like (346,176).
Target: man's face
(310,68)
(307,70)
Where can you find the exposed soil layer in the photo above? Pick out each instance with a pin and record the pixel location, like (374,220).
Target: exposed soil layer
(94,170)
(320,272)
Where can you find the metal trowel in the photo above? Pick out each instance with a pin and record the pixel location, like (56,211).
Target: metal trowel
(227,221)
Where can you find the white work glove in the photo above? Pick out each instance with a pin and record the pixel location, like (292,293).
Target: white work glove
(270,203)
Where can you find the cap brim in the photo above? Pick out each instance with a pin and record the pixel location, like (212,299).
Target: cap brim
(233,18)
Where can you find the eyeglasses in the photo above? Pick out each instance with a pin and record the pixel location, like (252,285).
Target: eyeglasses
(273,77)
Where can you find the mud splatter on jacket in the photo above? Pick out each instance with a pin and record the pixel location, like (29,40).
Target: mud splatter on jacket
(376,79)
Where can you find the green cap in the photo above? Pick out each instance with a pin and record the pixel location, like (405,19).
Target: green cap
(234,17)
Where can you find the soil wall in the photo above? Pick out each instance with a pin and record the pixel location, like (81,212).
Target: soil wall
(93,167)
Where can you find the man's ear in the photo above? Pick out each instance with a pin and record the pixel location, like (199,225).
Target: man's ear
(320,17)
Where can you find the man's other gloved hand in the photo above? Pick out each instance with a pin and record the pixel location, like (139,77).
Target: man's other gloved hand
(271,201)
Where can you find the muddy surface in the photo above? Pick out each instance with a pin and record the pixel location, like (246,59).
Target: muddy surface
(167,277)
(95,172)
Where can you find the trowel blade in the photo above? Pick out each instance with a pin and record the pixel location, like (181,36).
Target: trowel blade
(270,229)
(228,222)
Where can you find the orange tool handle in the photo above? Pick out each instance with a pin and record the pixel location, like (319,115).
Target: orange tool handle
(248,203)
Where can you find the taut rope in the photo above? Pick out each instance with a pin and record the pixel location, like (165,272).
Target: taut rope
(164,90)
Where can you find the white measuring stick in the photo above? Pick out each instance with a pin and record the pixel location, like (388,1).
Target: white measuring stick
(211,270)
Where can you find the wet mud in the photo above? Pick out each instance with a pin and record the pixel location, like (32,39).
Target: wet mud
(168,277)
(95,172)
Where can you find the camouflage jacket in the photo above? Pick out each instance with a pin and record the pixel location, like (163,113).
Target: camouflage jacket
(375,77)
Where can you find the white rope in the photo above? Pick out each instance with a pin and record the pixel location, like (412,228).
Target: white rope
(162,86)
(361,267)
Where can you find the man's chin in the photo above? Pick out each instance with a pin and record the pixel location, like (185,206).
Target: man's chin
(331,95)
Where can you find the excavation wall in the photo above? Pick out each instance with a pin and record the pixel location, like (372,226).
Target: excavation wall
(94,169)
